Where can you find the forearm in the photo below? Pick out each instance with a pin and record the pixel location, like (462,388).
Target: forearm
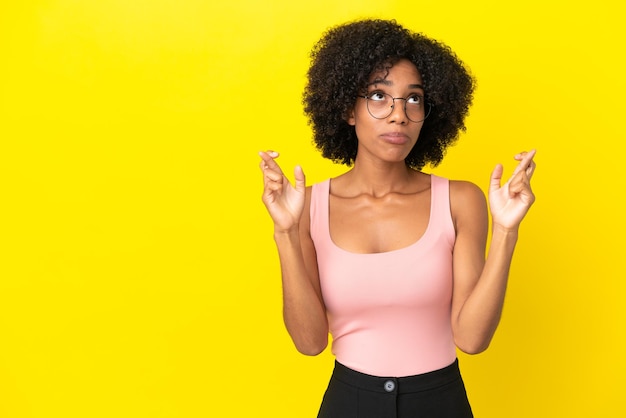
(303,310)
(480,315)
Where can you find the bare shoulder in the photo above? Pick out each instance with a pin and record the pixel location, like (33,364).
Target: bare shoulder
(465,191)
(305,219)
(467,201)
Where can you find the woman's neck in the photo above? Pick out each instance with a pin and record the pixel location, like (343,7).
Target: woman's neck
(379,179)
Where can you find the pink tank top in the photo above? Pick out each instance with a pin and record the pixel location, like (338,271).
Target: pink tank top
(389,313)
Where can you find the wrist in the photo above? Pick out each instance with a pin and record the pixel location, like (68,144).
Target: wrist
(506,231)
(286,233)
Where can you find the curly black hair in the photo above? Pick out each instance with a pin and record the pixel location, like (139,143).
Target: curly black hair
(344,59)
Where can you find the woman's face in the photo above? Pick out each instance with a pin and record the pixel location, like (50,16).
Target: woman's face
(391,137)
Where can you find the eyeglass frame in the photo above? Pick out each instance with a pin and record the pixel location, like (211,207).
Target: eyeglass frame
(393,103)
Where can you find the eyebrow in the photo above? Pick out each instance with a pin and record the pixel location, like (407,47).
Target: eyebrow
(389,83)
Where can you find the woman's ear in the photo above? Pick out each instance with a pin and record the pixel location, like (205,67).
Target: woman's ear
(349,116)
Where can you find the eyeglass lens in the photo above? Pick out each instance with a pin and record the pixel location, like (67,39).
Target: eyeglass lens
(381,105)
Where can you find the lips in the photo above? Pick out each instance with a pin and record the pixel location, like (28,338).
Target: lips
(397,138)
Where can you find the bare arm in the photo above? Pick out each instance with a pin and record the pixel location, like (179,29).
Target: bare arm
(304,313)
(479,284)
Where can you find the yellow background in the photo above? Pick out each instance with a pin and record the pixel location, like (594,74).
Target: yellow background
(138,276)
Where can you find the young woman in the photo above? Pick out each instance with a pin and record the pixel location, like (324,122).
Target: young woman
(388,259)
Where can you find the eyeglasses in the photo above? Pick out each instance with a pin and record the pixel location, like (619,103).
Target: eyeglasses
(380,105)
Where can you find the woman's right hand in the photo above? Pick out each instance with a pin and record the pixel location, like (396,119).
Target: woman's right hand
(283,201)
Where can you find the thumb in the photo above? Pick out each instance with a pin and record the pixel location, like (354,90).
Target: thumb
(496,178)
(300,179)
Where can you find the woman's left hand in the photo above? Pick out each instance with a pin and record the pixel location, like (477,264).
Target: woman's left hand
(510,202)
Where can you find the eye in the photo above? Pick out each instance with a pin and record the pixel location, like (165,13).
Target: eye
(377,96)
(415,99)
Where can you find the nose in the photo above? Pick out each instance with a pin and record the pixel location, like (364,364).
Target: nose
(398,112)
